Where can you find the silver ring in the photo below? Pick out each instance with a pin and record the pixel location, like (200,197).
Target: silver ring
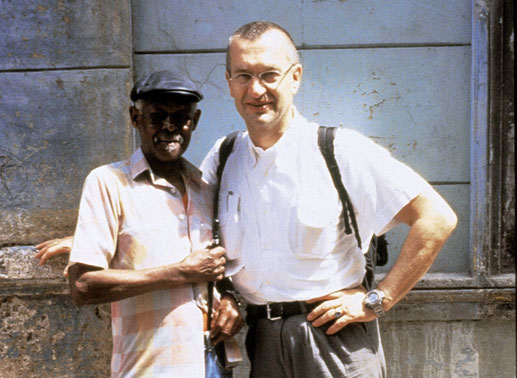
(337,314)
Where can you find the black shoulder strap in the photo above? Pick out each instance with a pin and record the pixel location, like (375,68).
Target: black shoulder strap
(225,150)
(326,144)
(225,284)
(378,249)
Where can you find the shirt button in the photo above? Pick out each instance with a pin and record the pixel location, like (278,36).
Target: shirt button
(173,190)
(181,216)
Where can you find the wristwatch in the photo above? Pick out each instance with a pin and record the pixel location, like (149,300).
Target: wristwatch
(373,300)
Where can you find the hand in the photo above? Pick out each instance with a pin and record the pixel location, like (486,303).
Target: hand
(51,248)
(205,265)
(227,320)
(343,307)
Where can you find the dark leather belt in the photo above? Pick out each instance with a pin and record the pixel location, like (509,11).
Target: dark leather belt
(278,310)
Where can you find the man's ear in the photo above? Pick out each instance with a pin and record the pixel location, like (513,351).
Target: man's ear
(134,113)
(228,81)
(297,78)
(196,119)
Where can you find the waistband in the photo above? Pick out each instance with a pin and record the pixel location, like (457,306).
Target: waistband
(278,310)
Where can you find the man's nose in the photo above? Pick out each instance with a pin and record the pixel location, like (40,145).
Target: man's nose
(256,88)
(168,124)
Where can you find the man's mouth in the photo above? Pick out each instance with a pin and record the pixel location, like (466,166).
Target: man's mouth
(168,139)
(260,105)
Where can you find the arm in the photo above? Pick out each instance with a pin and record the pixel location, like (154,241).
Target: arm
(89,284)
(431,222)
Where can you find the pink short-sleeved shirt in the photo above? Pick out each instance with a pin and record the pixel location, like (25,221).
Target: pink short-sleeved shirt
(132,219)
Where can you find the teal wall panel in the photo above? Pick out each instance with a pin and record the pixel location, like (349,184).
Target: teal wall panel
(163,25)
(183,25)
(414,101)
(366,22)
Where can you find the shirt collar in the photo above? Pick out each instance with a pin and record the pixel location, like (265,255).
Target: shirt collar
(139,165)
(257,153)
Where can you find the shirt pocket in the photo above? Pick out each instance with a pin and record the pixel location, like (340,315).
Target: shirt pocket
(148,245)
(314,225)
(231,223)
(229,207)
(200,232)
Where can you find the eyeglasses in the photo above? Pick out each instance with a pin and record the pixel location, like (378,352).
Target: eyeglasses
(270,79)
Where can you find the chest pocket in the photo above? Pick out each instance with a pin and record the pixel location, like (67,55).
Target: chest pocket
(231,222)
(314,221)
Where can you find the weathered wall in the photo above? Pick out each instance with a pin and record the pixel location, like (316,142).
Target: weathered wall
(400,72)
(65,75)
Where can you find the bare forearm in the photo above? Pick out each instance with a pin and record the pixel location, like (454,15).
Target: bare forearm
(425,239)
(90,284)
(109,285)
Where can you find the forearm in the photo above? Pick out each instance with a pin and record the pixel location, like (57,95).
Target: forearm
(108,285)
(425,239)
(89,284)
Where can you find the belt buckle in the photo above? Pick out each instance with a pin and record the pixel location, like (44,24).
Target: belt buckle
(268,313)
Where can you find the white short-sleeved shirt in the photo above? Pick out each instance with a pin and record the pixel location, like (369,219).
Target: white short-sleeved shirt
(280,213)
(131,219)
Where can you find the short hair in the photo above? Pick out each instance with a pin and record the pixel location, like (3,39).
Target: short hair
(256,29)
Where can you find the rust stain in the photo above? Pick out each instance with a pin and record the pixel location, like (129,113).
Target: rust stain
(372,107)
(413,145)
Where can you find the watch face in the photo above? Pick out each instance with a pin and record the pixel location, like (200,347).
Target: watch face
(373,297)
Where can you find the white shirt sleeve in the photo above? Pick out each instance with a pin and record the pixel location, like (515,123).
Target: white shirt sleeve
(378,184)
(211,162)
(95,237)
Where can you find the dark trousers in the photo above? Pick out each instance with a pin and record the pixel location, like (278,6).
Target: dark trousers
(293,348)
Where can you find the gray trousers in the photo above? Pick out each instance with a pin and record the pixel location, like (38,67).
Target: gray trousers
(293,348)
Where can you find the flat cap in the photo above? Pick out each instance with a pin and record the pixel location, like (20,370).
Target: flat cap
(165,82)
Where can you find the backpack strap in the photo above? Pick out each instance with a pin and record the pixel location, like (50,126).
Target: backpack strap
(377,254)
(326,144)
(224,285)
(225,150)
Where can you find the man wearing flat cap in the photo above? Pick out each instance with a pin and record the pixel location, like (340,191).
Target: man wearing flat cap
(143,237)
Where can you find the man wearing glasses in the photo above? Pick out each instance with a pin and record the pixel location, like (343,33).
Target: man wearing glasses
(282,228)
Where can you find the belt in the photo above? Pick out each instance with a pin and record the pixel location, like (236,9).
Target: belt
(278,310)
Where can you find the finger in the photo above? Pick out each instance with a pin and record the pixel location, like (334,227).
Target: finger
(220,337)
(40,253)
(321,309)
(338,325)
(47,243)
(44,258)
(43,244)
(218,251)
(319,299)
(328,316)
